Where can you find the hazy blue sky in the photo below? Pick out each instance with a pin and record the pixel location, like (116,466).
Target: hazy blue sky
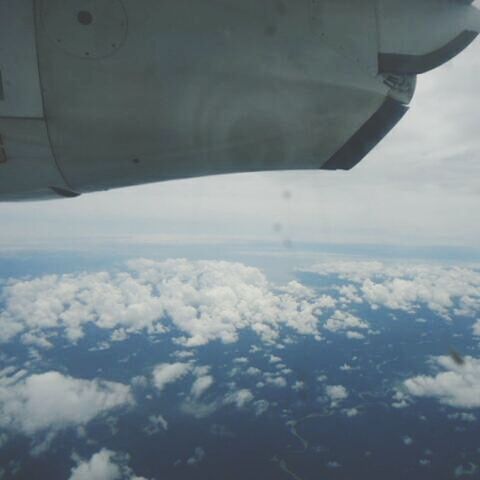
(419,187)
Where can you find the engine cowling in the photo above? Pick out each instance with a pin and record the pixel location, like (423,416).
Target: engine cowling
(108,93)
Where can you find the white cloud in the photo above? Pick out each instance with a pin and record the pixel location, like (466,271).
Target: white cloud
(349,294)
(32,403)
(298,386)
(476,328)
(201,385)
(260,407)
(210,300)
(205,300)
(201,370)
(139,381)
(400,400)
(199,409)
(156,423)
(457,386)
(104,465)
(241,360)
(240,398)
(197,457)
(354,335)
(444,289)
(100,467)
(274,359)
(183,354)
(462,471)
(194,406)
(36,340)
(119,335)
(336,393)
(462,416)
(275,381)
(167,373)
(340,321)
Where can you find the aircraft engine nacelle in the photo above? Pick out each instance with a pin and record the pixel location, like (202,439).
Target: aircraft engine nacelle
(97,94)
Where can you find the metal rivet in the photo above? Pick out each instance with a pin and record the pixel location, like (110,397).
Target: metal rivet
(84,17)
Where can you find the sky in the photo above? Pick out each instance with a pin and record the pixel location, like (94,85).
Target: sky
(419,187)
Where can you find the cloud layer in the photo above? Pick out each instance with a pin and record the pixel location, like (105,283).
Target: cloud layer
(204,300)
(445,290)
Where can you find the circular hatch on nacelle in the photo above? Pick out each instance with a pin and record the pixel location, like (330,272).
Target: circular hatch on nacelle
(89,29)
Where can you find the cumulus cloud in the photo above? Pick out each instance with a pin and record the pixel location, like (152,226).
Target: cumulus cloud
(99,467)
(340,321)
(463,416)
(400,400)
(205,300)
(349,294)
(336,393)
(445,290)
(354,335)
(275,381)
(198,408)
(260,407)
(208,300)
(476,328)
(239,398)
(463,471)
(69,302)
(156,423)
(298,386)
(33,403)
(183,354)
(201,385)
(457,385)
(241,360)
(274,359)
(167,373)
(104,465)
(197,457)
